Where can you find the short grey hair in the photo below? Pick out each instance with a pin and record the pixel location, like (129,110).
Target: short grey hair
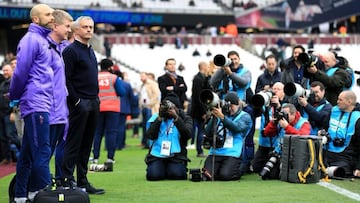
(79,19)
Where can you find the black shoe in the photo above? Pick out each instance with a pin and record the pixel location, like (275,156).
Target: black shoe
(67,183)
(91,190)
(201,155)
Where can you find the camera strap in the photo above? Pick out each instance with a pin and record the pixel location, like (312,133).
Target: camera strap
(347,124)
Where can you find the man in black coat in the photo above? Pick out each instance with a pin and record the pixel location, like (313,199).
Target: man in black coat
(198,109)
(171,82)
(270,76)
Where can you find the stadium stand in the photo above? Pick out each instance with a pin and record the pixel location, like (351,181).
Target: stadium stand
(86,3)
(153,60)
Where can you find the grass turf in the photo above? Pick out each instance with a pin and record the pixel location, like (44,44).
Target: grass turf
(127,183)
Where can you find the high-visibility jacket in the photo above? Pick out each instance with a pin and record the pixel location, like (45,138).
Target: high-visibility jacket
(109,100)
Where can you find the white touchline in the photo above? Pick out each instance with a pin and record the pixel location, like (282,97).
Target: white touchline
(340,190)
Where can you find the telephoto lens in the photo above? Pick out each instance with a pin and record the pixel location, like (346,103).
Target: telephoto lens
(265,172)
(96,167)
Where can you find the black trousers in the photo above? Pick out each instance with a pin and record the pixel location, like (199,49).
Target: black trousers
(225,168)
(261,157)
(79,140)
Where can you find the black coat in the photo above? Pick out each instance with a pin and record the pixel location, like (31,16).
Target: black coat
(198,109)
(180,87)
(267,79)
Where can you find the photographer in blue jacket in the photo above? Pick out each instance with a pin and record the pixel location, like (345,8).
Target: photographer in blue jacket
(342,146)
(231,125)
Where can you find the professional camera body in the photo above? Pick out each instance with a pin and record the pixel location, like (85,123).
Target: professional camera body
(273,161)
(307,60)
(164,107)
(296,90)
(262,98)
(357,80)
(324,136)
(278,115)
(338,142)
(195,175)
(208,141)
(211,100)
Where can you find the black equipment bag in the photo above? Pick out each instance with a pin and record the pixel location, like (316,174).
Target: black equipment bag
(301,159)
(72,195)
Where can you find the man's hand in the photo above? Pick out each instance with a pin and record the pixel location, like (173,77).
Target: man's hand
(275,100)
(267,88)
(227,70)
(357,173)
(217,112)
(302,101)
(169,88)
(173,113)
(312,69)
(283,123)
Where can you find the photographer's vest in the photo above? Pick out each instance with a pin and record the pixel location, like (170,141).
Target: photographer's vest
(241,91)
(263,140)
(168,136)
(314,129)
(109,100)
(330,72)
(233,143)
(341,126)
(297,126)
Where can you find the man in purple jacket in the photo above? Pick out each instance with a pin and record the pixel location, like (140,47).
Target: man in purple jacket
(32,84)
(59,112)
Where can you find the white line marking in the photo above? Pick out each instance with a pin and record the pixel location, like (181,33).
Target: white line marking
(342,191)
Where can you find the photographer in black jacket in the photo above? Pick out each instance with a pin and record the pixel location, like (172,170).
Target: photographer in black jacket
(168,132)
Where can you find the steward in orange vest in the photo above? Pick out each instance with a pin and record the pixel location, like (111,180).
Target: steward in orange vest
(110,89)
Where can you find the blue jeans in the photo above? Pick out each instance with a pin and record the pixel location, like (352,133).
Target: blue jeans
(121,138)
(107,124)
(8,135)
(163,168)
(33,165)
(146,114)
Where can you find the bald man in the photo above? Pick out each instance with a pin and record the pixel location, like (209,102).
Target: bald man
(334,78)
(32,84)
(342,149)
(198,109)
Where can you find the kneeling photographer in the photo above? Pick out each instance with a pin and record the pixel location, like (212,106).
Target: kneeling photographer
(228,125)
(286,121)
(168,132)
(342,142)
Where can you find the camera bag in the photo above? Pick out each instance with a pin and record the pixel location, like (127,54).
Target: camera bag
(301,159)
(60,194)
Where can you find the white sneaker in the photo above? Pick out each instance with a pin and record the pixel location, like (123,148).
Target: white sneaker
(95,161)
(190,146)
(31,195)
(20,199)
(110,161)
